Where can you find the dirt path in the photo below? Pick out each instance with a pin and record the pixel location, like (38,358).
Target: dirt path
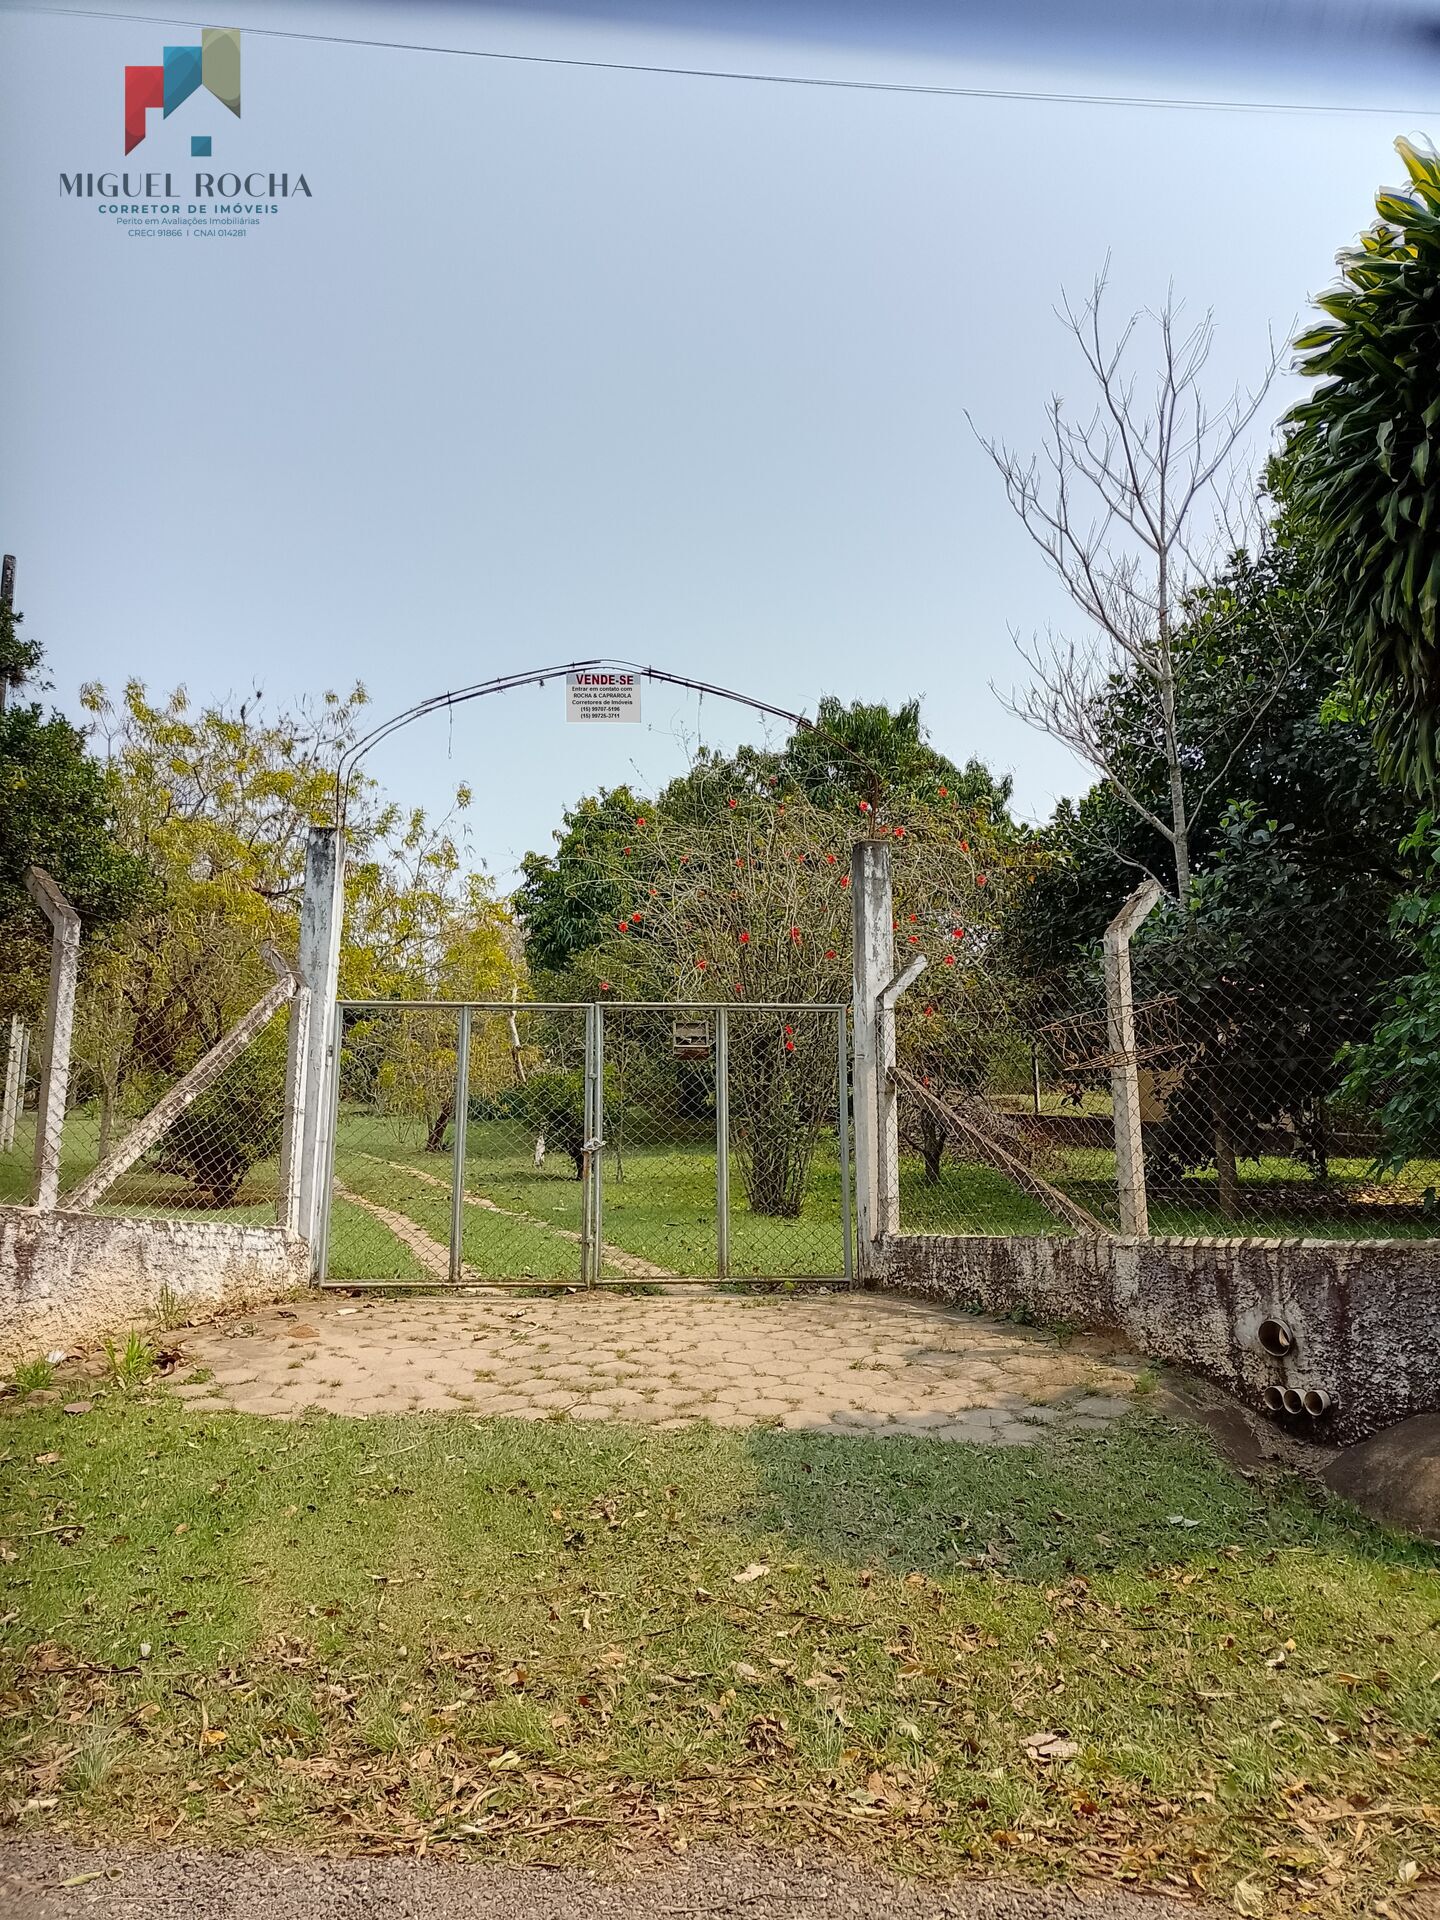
(715,1883)
(434,1258)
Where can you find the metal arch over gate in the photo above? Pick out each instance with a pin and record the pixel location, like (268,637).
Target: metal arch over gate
(574,1144)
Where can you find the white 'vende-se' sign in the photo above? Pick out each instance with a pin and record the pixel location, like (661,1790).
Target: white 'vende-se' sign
(602,696)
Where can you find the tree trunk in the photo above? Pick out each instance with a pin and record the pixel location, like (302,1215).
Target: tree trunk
(435,1139)
(932,1148)
(1179,820)
(1227,1177)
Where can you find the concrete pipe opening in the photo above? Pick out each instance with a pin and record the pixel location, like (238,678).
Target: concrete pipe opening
(1316,1402)
(1294,1400)
(1275,1337)
(1273,1400)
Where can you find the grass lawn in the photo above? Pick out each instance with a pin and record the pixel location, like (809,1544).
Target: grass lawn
(661,1207)
(1279,1200)
(533,1639)
(142,1192)
(663,1210)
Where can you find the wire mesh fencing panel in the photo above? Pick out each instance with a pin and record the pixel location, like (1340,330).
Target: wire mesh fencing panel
(392,1181)
(560,1145)
(1243,1090)
(992,1136)
(659,1170)
(726,1144)
(789,1126)
(134,1055)
(459,1145)
(523,1198)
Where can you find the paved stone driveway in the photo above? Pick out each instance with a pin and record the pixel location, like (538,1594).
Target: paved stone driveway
(842,1362)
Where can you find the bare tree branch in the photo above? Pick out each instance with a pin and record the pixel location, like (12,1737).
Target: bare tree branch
(1134,509)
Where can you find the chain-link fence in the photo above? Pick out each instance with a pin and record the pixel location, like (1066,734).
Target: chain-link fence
(160,1104)
(1231,1087)
(565,1145)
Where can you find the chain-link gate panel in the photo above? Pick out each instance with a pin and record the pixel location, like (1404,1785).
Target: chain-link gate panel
(726,1144)
(789,1124)
(658,1169)
(392,1191)
(571,1145)
(521,1213)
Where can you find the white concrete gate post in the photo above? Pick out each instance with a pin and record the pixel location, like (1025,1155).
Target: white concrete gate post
(876,1133)
(1124,1073)
(309,1101)
(59,1027)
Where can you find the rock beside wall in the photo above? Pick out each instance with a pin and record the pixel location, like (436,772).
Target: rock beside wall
(66,1278)
(1363,1316)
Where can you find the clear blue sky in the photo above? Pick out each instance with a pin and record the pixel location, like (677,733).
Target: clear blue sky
(561,363)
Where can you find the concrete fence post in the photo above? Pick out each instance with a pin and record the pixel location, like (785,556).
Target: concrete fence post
(59,1029)
(1124,1073)
(322,913)
(877,1144)
(292,1125)
(14,1081)
(888,1217)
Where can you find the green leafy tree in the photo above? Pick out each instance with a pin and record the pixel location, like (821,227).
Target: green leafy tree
(568,900)
(1368,462)
(1295,861)
(19,658)
(216,800)
(882,756)
(233,1126)
(1395,1073)
(58,808)
(733,887)
(1287,743)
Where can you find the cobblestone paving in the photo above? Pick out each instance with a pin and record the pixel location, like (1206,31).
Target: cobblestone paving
(842,1363)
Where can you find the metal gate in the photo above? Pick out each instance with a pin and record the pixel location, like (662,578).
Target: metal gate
(583,1145)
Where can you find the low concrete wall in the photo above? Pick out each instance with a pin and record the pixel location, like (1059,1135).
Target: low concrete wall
(68,1277)
(1365,1315)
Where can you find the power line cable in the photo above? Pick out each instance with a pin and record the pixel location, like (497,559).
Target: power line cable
(833,82)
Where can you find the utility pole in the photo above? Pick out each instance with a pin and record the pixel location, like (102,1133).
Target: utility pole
(7,608)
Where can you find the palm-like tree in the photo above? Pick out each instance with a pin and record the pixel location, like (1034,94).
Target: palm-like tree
(1368,462)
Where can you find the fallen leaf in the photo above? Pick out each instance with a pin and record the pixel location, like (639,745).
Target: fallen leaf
(47,1459)
(755,1571)
(1050,1746)
(742,1670)
(214,1737)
